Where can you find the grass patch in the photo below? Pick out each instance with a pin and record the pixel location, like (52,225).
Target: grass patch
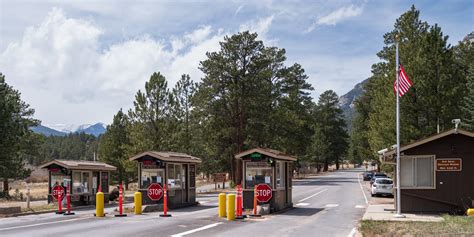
(452,225)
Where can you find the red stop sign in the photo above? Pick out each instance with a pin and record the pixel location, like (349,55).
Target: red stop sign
(155,191)
(56,191)
(264,193)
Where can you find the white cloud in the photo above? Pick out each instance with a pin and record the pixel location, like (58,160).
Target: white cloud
(336,16)
(63,72)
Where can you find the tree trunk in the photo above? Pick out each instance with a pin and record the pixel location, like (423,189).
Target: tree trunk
(337,164)
(326,166)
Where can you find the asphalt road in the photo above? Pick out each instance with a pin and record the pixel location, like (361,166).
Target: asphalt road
(328,205)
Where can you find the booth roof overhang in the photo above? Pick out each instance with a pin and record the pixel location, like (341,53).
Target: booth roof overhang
(389,156)
(268,152)
(168,157)
(80,165)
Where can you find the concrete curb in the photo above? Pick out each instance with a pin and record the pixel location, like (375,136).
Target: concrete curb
(53,211)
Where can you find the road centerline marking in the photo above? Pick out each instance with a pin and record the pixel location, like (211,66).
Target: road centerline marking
(362,189)
(46,223)
(197,229)
(304,199)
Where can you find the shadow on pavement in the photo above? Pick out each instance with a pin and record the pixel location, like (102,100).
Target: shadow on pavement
(301,211)
(194,208)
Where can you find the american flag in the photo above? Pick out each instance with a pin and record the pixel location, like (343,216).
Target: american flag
(405,83)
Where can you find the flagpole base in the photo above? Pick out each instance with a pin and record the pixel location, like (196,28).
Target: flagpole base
(165,215)
(121,215)
(399,216)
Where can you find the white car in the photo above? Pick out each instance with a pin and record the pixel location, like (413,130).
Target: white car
(382,186)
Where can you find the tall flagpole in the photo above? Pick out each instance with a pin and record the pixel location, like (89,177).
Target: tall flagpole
(399,213)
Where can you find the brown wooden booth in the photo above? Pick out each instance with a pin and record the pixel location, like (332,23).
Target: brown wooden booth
(437,172)
(178,170)
(83,178)
(272,167)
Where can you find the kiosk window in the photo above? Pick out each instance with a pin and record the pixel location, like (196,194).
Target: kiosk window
(80,182)
(280,174)
(258,173)
(174,175)
(150,176)
(59,179)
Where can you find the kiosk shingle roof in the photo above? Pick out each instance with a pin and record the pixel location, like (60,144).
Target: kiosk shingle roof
(80,164)
(169,156)
(268,152)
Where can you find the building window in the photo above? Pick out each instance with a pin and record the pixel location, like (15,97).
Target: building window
(258,173)
(280,174)
(417,172)
(150,176)
(175,175)
(80,182)
(59,179)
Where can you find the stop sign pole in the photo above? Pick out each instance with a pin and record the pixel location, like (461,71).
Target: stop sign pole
(58,194)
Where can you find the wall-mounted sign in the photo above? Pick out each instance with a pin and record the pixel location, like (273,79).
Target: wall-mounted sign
(151,164)
(452,164)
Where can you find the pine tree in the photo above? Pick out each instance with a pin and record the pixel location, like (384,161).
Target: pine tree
(330,138)
(236,96)
(149,120)
(16,117)
(468,102)
(112,149)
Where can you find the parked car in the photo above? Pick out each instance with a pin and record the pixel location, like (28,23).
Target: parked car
(377,175)
(382,186)
(368,175)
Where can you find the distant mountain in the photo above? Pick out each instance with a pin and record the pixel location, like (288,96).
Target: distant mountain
(47,131)
(64,129)
(346,102)
(96,129)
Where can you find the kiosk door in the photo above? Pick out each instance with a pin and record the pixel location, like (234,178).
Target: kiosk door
(95,182)
(185,184)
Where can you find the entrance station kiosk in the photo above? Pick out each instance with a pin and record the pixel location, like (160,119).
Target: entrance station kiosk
(177,170)
(271,171)
(82,177)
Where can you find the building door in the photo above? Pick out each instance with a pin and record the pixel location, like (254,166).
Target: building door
(185,184)
(95,182)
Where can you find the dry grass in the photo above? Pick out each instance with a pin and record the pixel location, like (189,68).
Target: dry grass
(451,226)
(46,207)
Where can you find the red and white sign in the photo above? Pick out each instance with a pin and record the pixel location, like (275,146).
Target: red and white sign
(264,192)
(155,191)
(56,191)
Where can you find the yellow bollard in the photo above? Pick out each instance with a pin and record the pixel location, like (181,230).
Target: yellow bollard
(138,203)
(470,212)
(99,204)
(231,207)
(221,204)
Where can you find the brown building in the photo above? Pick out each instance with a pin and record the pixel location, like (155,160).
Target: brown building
(437,172)
(176,170)
(270,167)
(84,178)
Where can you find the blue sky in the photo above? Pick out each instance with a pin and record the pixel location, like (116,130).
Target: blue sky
(79,62)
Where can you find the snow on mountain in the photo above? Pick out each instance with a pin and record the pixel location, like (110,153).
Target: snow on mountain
(93,129)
